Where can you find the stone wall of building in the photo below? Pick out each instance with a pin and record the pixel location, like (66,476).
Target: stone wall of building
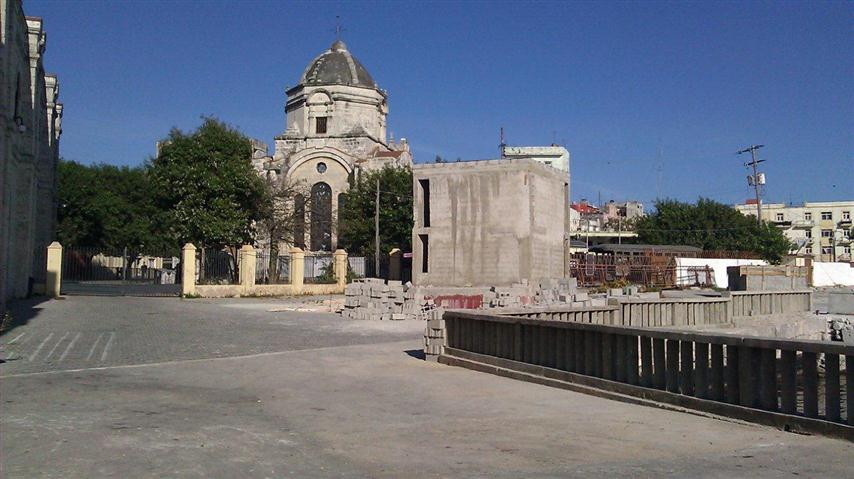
(30,126)
(493,222)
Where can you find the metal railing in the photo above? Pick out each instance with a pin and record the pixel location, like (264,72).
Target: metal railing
(217,266)
(761,374)
(319,269)
(267,272)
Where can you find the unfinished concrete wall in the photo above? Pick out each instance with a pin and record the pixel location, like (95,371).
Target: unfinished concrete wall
(493,222)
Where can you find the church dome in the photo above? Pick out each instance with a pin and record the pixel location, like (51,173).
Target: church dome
(337,66)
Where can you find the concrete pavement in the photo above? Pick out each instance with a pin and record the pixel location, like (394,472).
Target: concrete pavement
(347,400)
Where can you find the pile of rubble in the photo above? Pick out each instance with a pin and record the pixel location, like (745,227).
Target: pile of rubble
(841,329)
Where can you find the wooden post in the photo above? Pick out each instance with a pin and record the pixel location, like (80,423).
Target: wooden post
(188,270)
(53,285)
(686,378)
(768,379)
(716,392)
(658,379)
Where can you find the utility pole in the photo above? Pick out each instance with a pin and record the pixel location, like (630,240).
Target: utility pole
(377,231)
(756,179)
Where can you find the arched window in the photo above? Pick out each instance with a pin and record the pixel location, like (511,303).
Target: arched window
(321,217)
(299,221)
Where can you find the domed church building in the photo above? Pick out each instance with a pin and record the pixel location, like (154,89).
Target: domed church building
(336,128)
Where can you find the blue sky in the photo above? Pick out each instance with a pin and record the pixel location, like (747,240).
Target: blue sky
(651,98)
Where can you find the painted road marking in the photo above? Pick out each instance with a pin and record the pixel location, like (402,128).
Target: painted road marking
(16,339)
(92,351)
(70,345)
(55,346)
(36,353)
(107,347)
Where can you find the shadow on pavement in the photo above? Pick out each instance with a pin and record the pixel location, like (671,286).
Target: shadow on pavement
(21,311)
(416,353)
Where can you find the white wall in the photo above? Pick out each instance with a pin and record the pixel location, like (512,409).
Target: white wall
(832,274)
(719,266)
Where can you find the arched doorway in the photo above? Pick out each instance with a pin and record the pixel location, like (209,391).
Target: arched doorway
(321,217)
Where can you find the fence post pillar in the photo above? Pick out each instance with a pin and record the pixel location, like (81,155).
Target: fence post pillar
(340,268)
(394,264)
(297,270)
(729,309)
(53,281)
(247,268)
(188,270)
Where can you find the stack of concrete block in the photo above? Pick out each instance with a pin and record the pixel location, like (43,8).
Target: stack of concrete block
(434,335)
(561,291)
(376,299)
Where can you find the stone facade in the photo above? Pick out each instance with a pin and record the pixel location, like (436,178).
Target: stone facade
(492,222)
(30,126)
(336,127)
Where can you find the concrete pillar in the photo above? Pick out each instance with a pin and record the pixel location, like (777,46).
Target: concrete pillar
(188,270)
(247,268)
(53,283)
(394,264)
(297,270)
(340,268)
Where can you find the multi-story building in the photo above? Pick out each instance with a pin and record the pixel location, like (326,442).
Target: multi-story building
(822,230)
(555,156)
(30,125)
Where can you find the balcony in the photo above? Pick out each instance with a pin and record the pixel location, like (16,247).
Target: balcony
(803,223)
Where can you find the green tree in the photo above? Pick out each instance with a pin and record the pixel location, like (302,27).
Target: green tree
(356,212)
(107,206)
(712,226)
(207,186)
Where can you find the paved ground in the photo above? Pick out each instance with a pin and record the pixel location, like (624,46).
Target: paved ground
(228,389)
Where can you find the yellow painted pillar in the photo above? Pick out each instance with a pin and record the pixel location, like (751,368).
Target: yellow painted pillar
(188,270)
(247,268)
(394,264)
(297,270)
(53,283)
(340,268)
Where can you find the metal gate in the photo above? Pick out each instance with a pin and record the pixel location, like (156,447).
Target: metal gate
(119,272)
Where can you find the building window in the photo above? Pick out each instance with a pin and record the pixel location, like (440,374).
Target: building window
(846,234)
(779,216)
(808,250)
(425,253)
(808,216)
(425,197)
(827,215)
(846,249)
(846,215)
(321,217)
(826,233)
(808,234)
(320,124)
(826,250)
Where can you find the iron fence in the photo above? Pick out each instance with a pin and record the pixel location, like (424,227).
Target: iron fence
(277,271)
(319,269)
(358,266)
(217,266)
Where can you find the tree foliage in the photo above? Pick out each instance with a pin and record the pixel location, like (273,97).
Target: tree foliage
(712,226)
(205,183)
(356,212)
(107,206)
